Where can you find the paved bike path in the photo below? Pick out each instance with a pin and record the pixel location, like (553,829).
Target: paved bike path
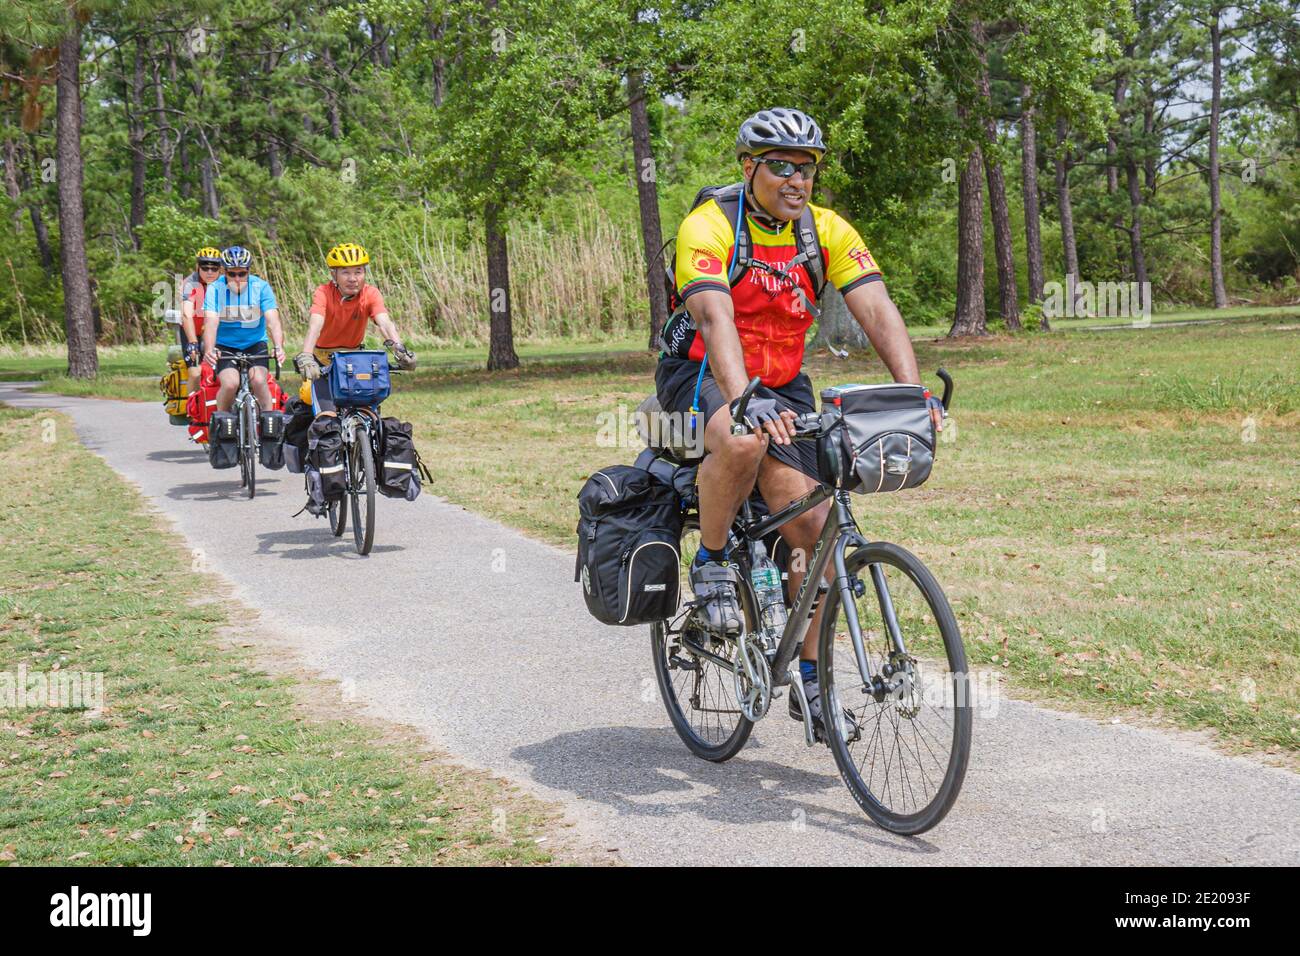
(477,636)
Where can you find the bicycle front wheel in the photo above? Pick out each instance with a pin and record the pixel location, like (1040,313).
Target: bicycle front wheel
(363,491)
(248,446)
(902,742)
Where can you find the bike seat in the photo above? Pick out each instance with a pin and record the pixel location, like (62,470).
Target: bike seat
(664,433)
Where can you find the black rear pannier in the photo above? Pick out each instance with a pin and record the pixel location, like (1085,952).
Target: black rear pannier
(325,456)
(271,451)
(629,540)
(223,440)
(399,465)
(295,434)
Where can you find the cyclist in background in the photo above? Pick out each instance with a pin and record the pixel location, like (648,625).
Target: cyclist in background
(340,312)
(239,309)
(207,267)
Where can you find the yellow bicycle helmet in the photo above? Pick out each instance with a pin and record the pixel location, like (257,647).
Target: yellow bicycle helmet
(347,254)
(208,254)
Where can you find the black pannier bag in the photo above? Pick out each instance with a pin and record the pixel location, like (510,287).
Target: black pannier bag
(399,465)
(271,451)
(325,456)
(299,419)
(629,542)
(223,440)
(887,438)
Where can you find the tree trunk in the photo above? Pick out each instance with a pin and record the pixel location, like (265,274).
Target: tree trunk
(163,127)
(969,318)
(39,228)
(1135,223)
(501,343)
(1029,185)
(1112,162)
(435,32)
(836,327)
(998,210)
(135,138)
(1216,210)
(11,182)
(1065,207)
(647,193)
(331,100)
(83,360)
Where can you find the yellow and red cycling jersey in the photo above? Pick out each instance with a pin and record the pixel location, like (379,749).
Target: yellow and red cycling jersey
(770,317)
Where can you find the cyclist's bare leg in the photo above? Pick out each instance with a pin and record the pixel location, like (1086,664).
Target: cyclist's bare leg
(257,383)
(725,477)
(781,484)
(228,386)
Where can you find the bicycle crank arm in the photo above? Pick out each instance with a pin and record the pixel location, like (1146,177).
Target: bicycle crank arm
(796,683)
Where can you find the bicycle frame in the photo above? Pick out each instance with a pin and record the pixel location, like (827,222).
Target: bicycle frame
(838,534)
(349,421)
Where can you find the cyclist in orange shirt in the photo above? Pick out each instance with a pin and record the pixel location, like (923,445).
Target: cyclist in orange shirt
(340,311)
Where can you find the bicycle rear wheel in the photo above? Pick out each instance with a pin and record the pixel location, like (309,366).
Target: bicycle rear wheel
(363,491)
(903,742)
(698,692)
(338,511)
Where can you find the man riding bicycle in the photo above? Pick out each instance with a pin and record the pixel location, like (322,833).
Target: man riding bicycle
(207,267)
(239,309)
(340,310)
(755,325)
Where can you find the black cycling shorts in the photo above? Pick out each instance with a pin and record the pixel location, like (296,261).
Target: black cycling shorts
(675,385)
(263,357)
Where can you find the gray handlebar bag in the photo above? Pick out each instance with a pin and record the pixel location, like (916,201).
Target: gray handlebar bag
(888,436)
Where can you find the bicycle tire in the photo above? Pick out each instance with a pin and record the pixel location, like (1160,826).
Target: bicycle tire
(248,446)
(338,513)
(725,744)
(363,490)
(937,806)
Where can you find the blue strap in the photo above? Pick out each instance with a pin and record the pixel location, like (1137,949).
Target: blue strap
(735,249)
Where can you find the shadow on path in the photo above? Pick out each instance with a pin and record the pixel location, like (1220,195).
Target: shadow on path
(314,542)
(648,772)
(179,455)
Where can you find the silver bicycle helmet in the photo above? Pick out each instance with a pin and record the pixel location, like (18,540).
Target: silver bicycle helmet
(779,129)
(236,257)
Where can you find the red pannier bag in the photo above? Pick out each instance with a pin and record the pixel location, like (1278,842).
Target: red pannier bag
(202,404)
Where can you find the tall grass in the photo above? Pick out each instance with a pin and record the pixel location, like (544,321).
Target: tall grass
(578,279)
(1269,393)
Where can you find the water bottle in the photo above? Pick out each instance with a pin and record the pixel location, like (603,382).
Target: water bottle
(770,591)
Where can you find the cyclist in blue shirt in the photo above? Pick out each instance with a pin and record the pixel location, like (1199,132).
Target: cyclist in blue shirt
(238,310)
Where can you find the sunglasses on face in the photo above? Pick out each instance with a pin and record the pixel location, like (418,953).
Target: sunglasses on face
(785,168)
(236,275)
(203,267)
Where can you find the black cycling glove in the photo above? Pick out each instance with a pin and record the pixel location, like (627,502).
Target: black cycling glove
(758,412)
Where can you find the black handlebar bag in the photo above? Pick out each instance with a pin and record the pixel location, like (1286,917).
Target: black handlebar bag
(887,436)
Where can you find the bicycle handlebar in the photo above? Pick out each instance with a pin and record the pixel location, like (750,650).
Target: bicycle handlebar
(738,426)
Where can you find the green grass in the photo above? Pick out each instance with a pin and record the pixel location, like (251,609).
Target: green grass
(198,757)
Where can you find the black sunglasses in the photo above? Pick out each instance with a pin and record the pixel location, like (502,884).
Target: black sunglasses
(785,168)
(236,275)
(209,267)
